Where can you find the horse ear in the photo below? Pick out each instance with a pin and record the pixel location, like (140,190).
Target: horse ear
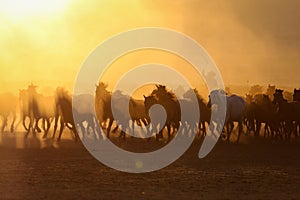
(294,90)
(144,96)
(157,86)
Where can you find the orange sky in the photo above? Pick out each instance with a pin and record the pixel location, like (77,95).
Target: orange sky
(250,41)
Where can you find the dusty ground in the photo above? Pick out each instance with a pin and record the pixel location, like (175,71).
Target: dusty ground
(35,169)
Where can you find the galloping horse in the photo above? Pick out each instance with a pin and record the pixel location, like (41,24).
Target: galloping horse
(103,107)
(63,111)
(138,113)
(235,111)
(85,105)
(8,107)
(263,111)
(36,107)
(155,117)
(168,100)
(205,112)
(289,112)
(296,97)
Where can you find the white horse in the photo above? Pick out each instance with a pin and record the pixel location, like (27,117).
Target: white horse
(235,110)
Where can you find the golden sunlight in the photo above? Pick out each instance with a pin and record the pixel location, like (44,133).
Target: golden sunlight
(20,9)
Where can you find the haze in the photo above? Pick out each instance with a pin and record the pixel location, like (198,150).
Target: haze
(252,42)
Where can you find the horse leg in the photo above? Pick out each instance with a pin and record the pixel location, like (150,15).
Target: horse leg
(169,131)
(230,126)
(4,124)
(30,127)
(13,123)
(75,133)
(46,129)
(240,124)
(84,131)
(258,126)
(62,126)
(109,127)
(55,126)
(24,123)
(203,129)
(36,127)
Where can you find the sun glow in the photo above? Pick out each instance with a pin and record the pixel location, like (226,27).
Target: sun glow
(20,9)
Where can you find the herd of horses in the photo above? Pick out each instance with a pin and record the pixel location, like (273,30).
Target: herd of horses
(280,117)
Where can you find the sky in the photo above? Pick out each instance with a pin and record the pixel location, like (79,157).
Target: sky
(251,41)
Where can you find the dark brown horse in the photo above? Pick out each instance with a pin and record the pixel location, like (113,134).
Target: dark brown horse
(171,105)
(296,97)
(289,112)
(64,112)
(262,110)
(204,111)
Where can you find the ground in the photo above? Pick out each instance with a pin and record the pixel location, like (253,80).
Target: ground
(31,168)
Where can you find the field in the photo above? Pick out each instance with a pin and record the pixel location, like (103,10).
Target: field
(31,168)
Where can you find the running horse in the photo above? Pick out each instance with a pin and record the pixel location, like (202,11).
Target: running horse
(8,108)
(64,112)
(289,112)
(235,110)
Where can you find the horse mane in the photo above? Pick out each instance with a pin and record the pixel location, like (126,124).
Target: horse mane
(62,93)
(162,92)
(199,97)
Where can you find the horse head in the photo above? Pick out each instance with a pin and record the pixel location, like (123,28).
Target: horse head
(278,96)
(149,101)
(296,95)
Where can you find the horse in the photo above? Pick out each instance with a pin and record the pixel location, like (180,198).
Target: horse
(190,118)
(85,105)
(122,117)
(24,106)
(296,97)
(36,107)
(64,112)
(8,107)
(138,113)
(263,111)
(235,110)
(103,107)
(169,101)
(204,111)
(289,112)
(249,116)
(154,117)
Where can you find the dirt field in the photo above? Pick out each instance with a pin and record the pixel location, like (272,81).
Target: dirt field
(257,169)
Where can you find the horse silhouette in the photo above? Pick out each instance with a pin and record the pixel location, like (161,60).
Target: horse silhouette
(64,112)
(170,103)
(84,104)
(262,110)
(289,112)
(8,107)
(296,97)
(138,113)
(103,107)
(36,107)
(235,110)
(204,111)
(154,117)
